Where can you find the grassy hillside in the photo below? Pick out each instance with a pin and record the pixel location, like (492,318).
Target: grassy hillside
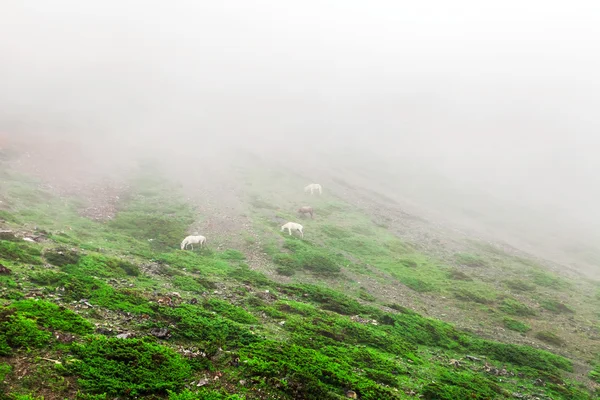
(114,309)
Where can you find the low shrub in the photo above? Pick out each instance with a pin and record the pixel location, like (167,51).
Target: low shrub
(229,311)
(470,260)
(550,338)
(556,307)
(477,296)
(513,307)
(546,279)
(244,274)
(519,285)
(328,299)
(127,367)
(52,316)
(515,325)
(595,374)
(20,252)
(461,385)
(18,331)
(232,254)
(458,275)
(416,284)
(61,256)
(285,270)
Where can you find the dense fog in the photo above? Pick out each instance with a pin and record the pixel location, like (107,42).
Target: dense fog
(487,110)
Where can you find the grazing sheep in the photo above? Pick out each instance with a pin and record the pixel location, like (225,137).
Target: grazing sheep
(191,240)
(312,187)
(306,210)
(292,226)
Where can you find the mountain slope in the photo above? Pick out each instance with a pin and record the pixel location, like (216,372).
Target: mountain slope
(105,305)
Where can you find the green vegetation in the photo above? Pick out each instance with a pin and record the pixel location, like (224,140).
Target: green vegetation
(207,316)
(477,295)
(470,260)
(20,252)
(516,325)
(519,285)
(595,374)
(555,307)
(514,307)
(303,255)
(61,256)
(131,367)
(550,337)
(27,324)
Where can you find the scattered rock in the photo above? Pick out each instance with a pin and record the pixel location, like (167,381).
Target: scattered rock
(126,335)
(104,331)
(472,358)
(28,239)
(202,382)
(161,333)
(86,302)
(361,320)
(351,394)
(64,337)
(4,270)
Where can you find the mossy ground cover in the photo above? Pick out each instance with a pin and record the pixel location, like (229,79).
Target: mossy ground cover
(253,338)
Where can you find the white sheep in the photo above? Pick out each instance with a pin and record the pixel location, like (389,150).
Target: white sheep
(191,240)
(293,226)
(312,187)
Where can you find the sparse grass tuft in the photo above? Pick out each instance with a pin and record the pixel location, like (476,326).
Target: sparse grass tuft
(8,217)
(550,337)
(61,256)
(546,279)
(416,284)
(470,260)
(513,307)
(476,295)
(556,307)
(515,325)
(458,275)
(595,374)
(519,285)
(306,256)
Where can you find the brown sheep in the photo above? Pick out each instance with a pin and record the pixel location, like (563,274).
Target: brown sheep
(306,210)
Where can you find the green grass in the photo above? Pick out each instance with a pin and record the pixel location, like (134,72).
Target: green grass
(556,307)
(306,256)
(550,337)
(516,308)
(285,341)
(480,295)
(470,260)
(20,252)
(519,285)
(516,325)
(131,367)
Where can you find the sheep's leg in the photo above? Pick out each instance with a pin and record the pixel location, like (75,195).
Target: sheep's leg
(301,234)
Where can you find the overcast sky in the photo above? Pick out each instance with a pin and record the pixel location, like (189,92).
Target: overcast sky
(502,93)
